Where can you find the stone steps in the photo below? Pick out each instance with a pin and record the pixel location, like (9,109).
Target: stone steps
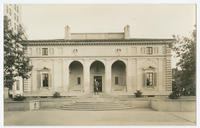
(96,106)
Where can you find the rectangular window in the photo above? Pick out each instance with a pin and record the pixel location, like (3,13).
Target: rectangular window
(7,10)
(10,12)
(45,80)
(149,50)
(116,80)
(44,51)
(17,85)
(78,80)
(149,79)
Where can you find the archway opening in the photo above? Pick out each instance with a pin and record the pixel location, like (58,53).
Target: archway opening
(118,76)
(97,76)
(75,76)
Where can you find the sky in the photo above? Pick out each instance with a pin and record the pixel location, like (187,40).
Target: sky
(146,21)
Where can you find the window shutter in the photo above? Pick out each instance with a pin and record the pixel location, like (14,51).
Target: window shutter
(50,84)
(155,78)
(145,77)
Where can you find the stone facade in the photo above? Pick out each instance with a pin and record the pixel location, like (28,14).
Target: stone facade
(120,64)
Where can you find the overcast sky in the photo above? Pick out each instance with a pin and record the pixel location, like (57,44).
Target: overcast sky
(146,21)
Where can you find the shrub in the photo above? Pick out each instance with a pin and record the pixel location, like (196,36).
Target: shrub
(174,95)
(138,93)
(19,97)
(56,95)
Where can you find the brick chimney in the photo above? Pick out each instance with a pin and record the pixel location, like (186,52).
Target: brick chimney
(67,33)
(127,32)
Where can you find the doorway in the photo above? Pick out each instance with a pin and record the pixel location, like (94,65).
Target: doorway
(99,80)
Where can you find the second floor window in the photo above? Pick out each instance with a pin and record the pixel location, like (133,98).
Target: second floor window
(44,51)
(149,50)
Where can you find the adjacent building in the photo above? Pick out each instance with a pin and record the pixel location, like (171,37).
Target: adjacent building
(121,65)
(13,12)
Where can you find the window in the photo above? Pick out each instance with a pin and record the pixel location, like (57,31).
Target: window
(116,80)
(17,85)
(149,50)
(7,10)
(149,79)
(10,12)
(78,80)
(45,80)
(44,51)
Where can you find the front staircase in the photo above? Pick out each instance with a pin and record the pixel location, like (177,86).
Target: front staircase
(97,103)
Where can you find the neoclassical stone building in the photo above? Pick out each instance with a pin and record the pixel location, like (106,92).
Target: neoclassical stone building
(120,64)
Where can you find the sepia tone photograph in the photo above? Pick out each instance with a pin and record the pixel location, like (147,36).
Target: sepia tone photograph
(99,64)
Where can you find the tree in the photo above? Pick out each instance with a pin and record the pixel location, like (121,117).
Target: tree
(185,49)
(15,61)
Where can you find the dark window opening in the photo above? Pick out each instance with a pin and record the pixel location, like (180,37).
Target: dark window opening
(45,80)
(78,80)
(149,80)
(44,51)
(116,80)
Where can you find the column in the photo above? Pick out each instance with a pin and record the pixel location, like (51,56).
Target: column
(129,75)
(66,75)
(86,77)
(108,77)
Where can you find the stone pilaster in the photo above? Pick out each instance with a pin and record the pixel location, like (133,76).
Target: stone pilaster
(129,75)
(86,74)
(65,75)
(108,77)
(168,70)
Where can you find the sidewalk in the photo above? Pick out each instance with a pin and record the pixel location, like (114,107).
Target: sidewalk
(123,117)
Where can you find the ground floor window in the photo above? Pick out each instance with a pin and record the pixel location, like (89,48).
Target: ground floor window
(45,80)
(149,79)
(79,80)
(17,85)
(116,80)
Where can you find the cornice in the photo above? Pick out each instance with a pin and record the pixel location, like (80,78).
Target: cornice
(98,42)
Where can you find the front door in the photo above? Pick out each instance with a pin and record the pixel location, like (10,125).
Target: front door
(99,82)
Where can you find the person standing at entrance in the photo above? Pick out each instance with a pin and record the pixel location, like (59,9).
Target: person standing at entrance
(96,86)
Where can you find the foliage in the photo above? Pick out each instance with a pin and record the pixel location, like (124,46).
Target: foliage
(19,97)
(56,95)
(15,61)
(185,49)
(138,93)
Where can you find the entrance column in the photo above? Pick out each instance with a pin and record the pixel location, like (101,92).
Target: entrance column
(66,75)
(108,77)
(86,76)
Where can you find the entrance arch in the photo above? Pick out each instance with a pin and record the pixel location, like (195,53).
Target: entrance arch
(75,76)
(118,76)
(97,72)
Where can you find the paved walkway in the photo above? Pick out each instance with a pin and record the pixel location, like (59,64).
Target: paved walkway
(123,117)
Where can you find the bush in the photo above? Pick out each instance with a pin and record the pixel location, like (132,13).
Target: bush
(19,97)
(174,95)
(138,93)
(56,95)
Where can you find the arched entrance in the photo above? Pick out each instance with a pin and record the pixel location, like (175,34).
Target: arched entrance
(118,76)
(75,76)
(97,75)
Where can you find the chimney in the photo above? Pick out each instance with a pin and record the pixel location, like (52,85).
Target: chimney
(67,33)
(127,32)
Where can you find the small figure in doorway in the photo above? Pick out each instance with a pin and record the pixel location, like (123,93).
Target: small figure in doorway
(96,87)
